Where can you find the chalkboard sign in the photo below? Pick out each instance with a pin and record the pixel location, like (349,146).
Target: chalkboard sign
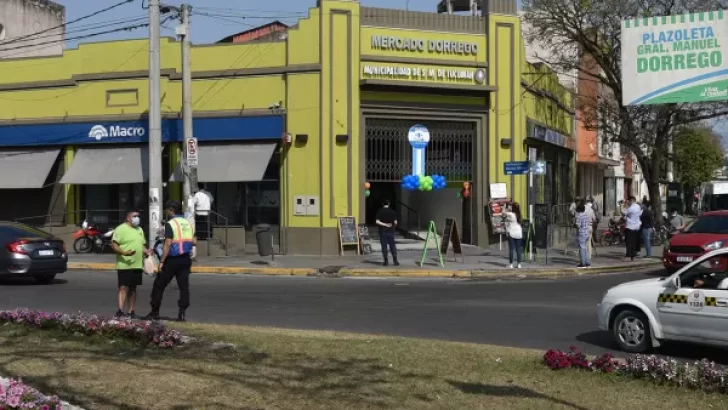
(364,240)
(348,233)
(541,225)
(450,234)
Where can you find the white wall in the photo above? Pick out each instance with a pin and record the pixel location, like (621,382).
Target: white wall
(21,18)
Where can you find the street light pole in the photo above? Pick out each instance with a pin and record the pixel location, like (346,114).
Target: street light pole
(155,124)
(189,167)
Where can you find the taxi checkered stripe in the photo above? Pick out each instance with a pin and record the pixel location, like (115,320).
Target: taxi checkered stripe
(667,298)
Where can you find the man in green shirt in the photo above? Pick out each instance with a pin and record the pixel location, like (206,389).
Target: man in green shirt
(130,246)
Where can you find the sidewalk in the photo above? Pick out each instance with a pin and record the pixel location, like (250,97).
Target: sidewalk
(477,263)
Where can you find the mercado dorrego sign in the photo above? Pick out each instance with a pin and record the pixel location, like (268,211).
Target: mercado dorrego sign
(675,59)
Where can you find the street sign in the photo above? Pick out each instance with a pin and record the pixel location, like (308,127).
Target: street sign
(539,168)
(516,167)
(192,157)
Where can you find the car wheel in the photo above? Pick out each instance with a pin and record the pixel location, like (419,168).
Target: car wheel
(83,245)
(632,331)
(44,279)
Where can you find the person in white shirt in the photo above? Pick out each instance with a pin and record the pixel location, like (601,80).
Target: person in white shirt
(514,231)
(632,231)
(203,205)
(589,211)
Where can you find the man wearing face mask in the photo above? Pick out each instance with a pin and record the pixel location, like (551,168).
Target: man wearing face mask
(130,245)
(176,261)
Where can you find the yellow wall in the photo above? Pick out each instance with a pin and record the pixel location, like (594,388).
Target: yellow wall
(551,104)
(88,98)
(506,118)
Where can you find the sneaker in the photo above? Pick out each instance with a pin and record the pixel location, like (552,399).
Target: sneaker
(510,266)
(519,266)
(133,315)
(181,316)
(386,263)
(581,266)
(119,314)
(588,265)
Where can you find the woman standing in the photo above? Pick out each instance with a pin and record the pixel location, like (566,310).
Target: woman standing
(514,231)
(648,225)
(583,225)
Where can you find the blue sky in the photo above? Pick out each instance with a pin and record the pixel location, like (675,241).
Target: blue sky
(216,19)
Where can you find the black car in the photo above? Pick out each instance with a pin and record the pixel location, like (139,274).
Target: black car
(29,252)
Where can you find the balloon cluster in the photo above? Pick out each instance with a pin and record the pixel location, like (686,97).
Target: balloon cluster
(423,183)
(367,192)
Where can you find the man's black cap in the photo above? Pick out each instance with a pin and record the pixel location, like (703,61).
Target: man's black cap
(172,204)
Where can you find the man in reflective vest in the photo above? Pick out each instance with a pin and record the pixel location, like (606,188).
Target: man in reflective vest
(175,262)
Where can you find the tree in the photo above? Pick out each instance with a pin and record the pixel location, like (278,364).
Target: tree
(697,154)
(582,37)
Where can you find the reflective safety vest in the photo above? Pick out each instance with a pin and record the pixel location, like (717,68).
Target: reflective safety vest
(183,238)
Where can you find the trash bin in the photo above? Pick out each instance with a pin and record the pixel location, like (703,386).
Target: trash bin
(264,240)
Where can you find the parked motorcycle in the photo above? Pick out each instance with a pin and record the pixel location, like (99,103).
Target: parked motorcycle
(614,234)
(90,238)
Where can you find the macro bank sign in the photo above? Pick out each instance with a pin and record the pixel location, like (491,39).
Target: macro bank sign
(100,132)
(674,59)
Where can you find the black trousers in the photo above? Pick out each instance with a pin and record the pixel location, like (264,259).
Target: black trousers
(177,268)
(202,225)
(631,239)
(386,239)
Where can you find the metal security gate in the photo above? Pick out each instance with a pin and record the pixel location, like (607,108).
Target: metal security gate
(450,153)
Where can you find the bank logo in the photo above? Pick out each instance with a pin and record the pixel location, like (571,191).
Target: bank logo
(714,92)
(98,132)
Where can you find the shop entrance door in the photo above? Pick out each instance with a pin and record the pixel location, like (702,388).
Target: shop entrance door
(450,153)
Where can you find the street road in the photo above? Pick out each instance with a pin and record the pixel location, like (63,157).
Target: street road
(530,314)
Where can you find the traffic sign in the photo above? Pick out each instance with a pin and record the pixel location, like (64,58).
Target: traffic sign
(192,155)
(539,168)
(516,167)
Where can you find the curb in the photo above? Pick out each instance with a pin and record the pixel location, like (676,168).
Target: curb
(494,274)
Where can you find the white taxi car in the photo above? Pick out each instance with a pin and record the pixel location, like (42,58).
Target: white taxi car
(691,305)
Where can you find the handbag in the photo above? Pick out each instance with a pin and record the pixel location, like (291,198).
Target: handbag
(515,230)
(150,265)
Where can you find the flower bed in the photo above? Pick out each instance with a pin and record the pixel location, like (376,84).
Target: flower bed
(144,332)
(16,395)
(704,375)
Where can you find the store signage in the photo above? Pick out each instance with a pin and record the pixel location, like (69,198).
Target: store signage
(552,137)
(443,47)
(419,73)
(99,132)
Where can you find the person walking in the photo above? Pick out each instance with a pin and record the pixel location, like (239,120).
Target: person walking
(176,261)
(584,228)
(647,220)
(387,221)
(597,217)
(514,232)
(130,245)
(632,231)
(592,218)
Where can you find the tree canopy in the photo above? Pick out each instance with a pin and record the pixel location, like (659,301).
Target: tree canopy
(697,154)
(582,38)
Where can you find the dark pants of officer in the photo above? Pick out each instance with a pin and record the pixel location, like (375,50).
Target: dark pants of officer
(177,267)
(387,239)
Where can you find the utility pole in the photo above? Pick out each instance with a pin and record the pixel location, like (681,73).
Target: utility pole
(155,124)
(189,164)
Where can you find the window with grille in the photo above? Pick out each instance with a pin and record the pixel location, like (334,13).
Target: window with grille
(450,152)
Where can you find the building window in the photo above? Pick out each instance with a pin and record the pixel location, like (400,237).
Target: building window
(249,203)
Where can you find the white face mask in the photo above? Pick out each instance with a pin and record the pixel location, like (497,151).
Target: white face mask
(135,221)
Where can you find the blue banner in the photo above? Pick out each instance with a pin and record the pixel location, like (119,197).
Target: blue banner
(133,132)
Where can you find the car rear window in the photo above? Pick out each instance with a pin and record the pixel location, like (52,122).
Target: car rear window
(709,224)
(11,232)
